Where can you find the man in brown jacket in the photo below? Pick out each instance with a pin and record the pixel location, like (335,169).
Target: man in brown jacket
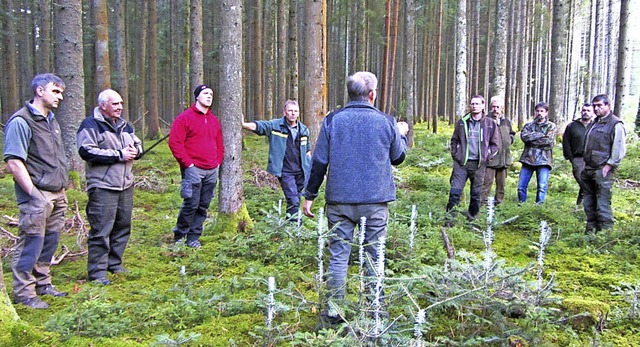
(497,167)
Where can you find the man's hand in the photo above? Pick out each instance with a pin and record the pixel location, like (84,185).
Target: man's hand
(403,128)
(129,153)
(306,208)
(605,170)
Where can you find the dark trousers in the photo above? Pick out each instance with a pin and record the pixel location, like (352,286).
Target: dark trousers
(292,184)
(197,189)
(597,199)
(459,176)
(109,214)
(577,165)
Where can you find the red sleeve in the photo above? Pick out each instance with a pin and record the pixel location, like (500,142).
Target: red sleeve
(177,136)
(220,142)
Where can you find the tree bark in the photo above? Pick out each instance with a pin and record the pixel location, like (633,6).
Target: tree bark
(557,111)
(231,200)
(409,70)
(101,45)
(152,119)
(623,59)
(499,66)
(68,63)
(121,62)
(11,99)
(281,52)
(43,21)
(196,61)
(315,93)
(461,58)
(293,51)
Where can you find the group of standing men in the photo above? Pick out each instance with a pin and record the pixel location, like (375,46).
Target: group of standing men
(358,143)
(356,149)
(35,156)
(480,148)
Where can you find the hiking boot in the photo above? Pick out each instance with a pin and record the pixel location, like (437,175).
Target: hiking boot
(194,244)
(119,270)
(34,302)
(49,290)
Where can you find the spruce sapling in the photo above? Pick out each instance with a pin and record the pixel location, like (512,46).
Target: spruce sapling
(412,226)
(377,300)
(271,303)
(545,234)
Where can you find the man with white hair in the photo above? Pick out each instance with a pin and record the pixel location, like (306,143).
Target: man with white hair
(497,167)
(109,145)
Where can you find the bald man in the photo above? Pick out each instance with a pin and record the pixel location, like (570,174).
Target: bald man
(109,145)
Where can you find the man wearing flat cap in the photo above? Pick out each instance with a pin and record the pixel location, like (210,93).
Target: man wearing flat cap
(196,142)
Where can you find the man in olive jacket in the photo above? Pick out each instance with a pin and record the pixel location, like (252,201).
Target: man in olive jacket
(497,167)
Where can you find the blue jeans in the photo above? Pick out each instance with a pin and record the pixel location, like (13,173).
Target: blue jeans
(197,191)
(542,175)
(345,217)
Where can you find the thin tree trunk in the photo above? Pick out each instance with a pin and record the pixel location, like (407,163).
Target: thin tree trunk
(499,66)
(101,45)
(409,70)
(281,75)
(558,61)
(461,59)
(153,119)
(43,19)
(623,58)
(121,57)
(196,61)
(11,99)
(293,51)
(437,77)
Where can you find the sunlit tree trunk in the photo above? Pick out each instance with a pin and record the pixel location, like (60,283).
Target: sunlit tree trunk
(101,45)
(315,93)
(68,65)
(461,58)
(622,74)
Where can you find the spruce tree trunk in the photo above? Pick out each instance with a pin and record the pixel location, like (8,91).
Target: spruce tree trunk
(231,207)
(461,59)
(68,64)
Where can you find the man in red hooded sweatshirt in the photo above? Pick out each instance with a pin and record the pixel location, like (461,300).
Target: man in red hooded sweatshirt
(196,142)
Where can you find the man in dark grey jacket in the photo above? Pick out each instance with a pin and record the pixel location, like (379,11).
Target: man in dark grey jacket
(356,148)
(109,145)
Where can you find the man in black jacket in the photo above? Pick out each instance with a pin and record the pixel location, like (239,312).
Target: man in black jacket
(573,143)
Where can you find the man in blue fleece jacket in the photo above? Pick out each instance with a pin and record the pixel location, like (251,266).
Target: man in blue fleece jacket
(356,148)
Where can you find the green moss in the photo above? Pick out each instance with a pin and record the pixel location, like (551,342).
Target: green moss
(234,222)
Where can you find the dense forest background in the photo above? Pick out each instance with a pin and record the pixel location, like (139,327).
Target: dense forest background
(430,56)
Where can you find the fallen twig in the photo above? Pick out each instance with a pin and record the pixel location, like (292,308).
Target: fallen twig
(451,253)
(10,235)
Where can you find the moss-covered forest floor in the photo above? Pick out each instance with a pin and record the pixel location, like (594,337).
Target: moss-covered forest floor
(218,295)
